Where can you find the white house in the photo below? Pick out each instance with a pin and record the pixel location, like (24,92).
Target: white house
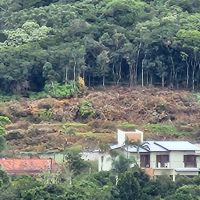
(167,158)
(159,157)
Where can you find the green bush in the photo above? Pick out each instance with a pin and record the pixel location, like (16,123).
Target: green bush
(3,121)
(37,95)
(45,114)
(5,97)
(2,143)
(197,96)
(162,128)
(2,130)
(67,130)
(127,126)
(75,163)
(4,178)
(86,110)
(58,90)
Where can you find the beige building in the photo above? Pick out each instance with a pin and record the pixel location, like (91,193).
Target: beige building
(159,157)
(167,158)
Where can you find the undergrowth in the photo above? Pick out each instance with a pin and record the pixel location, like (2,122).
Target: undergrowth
(167,129)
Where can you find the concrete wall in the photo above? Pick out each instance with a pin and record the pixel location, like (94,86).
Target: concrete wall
(121,137)
(163,171)
(198,161)
(104,162)
(90,156)
(176,158)
(187,173)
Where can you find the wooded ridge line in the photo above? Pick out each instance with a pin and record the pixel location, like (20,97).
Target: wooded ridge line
(140,42)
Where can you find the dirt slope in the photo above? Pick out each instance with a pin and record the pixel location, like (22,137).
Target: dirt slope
(37,125)
(145,105)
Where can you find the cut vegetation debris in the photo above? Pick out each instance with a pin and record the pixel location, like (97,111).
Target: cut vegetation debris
(47,124)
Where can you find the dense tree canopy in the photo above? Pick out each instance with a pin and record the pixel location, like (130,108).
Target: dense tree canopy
(132,184)
(146,42)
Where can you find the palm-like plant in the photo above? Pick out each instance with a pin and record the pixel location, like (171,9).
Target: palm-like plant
(103,149)
(120,164)
(139,145)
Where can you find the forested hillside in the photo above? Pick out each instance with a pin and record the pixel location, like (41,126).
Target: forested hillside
(134,42)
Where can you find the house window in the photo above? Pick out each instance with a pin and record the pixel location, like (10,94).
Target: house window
(190,161)
(162,161)
(145,160)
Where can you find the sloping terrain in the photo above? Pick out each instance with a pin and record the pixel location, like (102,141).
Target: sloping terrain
(140,105)
(37,125)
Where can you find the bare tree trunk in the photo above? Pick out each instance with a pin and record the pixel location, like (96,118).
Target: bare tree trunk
(193,73)
(151,79)
(113,72)
(66,74)
(74,71)
(102,159)
(131,78)
(136,66)
(142,74)
(163,80)
(187,81)
(103,81)
(173,71)
(119,73)
(89,80)
(147,78)
(171,78)
(176,78)
(74,84)
(143,71)
(193,81)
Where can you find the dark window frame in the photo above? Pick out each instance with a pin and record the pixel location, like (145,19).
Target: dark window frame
(190,161)
(145,160)
(162,159)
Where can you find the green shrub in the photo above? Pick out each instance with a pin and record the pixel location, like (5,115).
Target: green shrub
(37,95)
(5,97)
(45,114)
(75,125)
(162,128)
(4,178)
(197,96)
(2,130)
(127,125)
(2,143)
(67,130)
(3,121)
(75,163)
(86,110)
(58,90)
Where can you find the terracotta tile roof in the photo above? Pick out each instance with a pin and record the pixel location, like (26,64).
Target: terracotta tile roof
(28,165)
